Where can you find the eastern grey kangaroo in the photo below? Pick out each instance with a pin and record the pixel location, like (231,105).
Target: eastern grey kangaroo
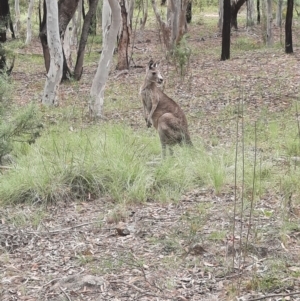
(163,112)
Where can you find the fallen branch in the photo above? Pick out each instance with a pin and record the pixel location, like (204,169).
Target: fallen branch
(140,290)
(275,295)
(62,230)
(65,293)
(5,167)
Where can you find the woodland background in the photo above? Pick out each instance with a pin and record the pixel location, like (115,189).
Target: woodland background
(89,211)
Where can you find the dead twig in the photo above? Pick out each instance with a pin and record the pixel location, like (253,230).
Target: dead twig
(68,297)
(275,295)
(6,167)
(121,73)
(141,291)
(65,229)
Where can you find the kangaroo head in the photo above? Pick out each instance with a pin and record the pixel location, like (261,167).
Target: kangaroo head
(153,73)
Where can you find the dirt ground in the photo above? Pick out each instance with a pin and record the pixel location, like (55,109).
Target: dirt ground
(100,250)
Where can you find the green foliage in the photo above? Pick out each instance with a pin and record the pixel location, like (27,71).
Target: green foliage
(203,3)
(246,43)
(24,126)
(16,125)
(181,55)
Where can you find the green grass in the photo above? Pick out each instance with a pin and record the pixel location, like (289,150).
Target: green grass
(107,159)
(112,159)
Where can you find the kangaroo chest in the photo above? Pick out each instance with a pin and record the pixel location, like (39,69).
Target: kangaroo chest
(147,96)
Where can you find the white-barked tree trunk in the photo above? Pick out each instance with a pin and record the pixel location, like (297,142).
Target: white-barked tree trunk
(106,16)
(109,39)
(56,56)
(76,24)
(17,18)
(269,23)
(29,29)
(279,13)
(250,13)
(67,42)
(221,13)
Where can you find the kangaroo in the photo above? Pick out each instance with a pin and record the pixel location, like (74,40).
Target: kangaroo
(163,112)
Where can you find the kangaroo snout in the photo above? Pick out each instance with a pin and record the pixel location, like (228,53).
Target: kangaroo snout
(160,80)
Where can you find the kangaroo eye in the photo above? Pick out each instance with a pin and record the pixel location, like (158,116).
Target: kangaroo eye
(153,73)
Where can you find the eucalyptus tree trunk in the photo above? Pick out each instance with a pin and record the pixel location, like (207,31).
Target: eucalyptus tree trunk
(221,13)
(288,27)
(279,13)
(131,4)
(235,7)
(67,45)
(56,55)
(29,29)
(250,13)
(76,24)
(145,13)
(258,11)
(106,16)
(269,36)
(5,20)
(178,20)
(175,26)
(124,37)
(17,17)
(99,81)
(66,10)
(83,39)
(225,55)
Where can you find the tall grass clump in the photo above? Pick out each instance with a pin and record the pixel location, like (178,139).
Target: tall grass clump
(109,160)
(16,124)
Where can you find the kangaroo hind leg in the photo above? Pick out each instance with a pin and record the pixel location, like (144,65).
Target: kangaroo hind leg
(169,132)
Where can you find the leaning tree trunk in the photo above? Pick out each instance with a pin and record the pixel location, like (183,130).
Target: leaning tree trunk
(66,10)
(269,23)
(175,26)
(76,22)
(164,26)
(225,55)
(235,7)
(178,24)
(131,4)
(98,85)
(145,14)
(29,30)
(124,37)
(43,35)
(279,13)
(56,62)
(106,16)
(288,27)
(83,39)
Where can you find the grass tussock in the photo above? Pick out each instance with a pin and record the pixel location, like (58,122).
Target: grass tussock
(105,160)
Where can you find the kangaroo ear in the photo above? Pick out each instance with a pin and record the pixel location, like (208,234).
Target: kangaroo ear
(151,64)
(156,64)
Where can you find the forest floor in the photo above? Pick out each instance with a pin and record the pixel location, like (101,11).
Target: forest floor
(100,250)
